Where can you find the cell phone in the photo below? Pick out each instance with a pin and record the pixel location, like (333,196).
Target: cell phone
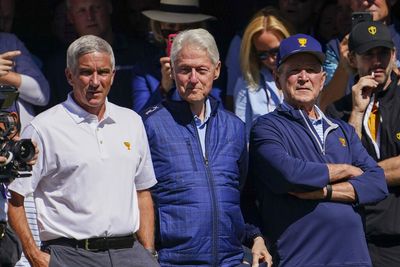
(357,17)
(171,38)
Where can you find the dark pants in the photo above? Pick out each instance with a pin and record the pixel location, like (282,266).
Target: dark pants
(10,249)
(137,256)
(384,254)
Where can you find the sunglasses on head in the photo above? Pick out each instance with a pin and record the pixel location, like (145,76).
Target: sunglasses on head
(263,55)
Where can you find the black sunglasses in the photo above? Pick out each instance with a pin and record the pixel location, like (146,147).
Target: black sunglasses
(263,55)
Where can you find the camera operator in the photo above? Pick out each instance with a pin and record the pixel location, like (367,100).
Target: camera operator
(10,247)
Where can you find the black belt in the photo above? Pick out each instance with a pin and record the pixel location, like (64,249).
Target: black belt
(94,244)
(3,227)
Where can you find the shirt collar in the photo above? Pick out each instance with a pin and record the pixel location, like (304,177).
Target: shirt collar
(80,115)
(207,114)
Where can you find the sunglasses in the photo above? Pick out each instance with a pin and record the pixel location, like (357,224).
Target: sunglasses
(263,55)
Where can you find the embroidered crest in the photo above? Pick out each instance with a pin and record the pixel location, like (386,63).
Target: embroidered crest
(398,136)
(128,145)
(372,30)
(342,141)
(302,42)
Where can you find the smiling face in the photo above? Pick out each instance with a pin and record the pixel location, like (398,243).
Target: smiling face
(301,79)
(194,74)
(91,81)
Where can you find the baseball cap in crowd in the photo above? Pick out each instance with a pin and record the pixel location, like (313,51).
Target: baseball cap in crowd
(299,43)
(369,34)
(178,11)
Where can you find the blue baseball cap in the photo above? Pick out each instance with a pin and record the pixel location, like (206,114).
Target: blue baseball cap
(299,43)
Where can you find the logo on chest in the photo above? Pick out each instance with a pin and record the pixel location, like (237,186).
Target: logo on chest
(342,141)
(127,145)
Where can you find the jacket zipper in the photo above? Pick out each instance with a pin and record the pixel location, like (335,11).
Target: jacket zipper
(212,191)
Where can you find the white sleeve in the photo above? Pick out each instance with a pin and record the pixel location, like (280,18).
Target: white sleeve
(31,92)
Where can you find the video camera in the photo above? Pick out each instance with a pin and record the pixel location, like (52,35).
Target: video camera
(17,153)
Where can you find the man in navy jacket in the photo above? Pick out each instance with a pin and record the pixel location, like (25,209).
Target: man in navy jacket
(311,173)
(199,155)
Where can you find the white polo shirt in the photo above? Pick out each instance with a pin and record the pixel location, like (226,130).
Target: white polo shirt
(87,174)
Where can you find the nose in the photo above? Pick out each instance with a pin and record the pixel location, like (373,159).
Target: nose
(94,80)
(90,13)
(193,76)
(303,76)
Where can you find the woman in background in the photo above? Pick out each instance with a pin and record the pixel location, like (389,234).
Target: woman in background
(255,92)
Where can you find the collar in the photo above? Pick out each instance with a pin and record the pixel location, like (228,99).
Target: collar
(79,115)
(299,114)
(207,114)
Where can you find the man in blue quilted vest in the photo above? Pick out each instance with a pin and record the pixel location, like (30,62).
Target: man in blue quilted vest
(199,155)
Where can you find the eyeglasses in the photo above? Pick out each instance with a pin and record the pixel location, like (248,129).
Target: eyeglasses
(263,55)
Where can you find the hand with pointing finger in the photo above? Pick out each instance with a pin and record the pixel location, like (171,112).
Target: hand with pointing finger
(7,62)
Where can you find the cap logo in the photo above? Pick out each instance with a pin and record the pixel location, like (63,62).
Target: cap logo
(372,30)
(398,136)
(302,41)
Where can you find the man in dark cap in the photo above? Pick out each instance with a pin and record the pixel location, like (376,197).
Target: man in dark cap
(309,171)
(373,109)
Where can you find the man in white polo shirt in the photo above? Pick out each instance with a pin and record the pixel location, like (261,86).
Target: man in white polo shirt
(92,178)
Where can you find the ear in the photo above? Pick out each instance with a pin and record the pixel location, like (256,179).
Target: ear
(352,60)
(68,75)
(112,77)
(217,70)
(323,78)
(276,78)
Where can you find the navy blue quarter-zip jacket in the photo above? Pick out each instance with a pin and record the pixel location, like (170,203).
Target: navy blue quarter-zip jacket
(287,155)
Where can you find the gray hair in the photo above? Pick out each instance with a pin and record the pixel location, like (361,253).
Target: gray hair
(199,38)
(87,44)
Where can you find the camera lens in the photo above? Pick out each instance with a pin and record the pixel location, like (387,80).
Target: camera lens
(24,150)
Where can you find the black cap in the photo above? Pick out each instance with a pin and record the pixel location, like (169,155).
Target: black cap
(369,34)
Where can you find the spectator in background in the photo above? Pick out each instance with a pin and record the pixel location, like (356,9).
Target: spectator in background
(94,17)
(373,109)
(255,92)
(152,81)
(301,13)
(340,72)
(309,172)
(199,218)
(62,29)
(325,24)
(130,18)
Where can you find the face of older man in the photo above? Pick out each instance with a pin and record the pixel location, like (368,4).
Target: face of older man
(91,81)
(194,74)
(90,16)
(301,79)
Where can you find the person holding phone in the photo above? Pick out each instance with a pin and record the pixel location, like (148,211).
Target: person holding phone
(152,80)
